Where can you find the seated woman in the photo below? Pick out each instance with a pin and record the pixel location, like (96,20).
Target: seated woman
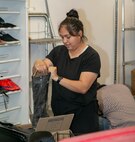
(117,104)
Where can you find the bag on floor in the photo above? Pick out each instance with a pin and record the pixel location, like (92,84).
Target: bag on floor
(11,133)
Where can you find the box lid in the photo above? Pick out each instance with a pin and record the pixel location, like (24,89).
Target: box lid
(55,123)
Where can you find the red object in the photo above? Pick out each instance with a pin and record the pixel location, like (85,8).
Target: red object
(126,134)
(9,85)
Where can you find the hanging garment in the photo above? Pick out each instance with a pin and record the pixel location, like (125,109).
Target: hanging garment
(3,92)
(40,93)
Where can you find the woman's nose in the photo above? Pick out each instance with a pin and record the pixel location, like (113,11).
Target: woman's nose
(64,40)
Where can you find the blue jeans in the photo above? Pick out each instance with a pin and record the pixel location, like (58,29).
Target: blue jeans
(103,123)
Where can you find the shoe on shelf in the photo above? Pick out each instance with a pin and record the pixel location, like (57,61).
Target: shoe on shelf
(8,38)
(9,85)
(3,24)
(2,42)
(1,20)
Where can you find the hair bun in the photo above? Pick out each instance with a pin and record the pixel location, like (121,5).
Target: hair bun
(73,13)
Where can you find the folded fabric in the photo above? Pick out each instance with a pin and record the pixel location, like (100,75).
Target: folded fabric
(9,85)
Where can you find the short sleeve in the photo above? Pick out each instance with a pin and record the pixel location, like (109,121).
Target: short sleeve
(91,62)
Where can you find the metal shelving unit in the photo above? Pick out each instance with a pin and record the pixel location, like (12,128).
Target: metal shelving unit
(116,41)
(124,31)
(49,36)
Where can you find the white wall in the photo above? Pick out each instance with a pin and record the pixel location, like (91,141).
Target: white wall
(98,18)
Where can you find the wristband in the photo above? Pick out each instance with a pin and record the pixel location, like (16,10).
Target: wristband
(59,79)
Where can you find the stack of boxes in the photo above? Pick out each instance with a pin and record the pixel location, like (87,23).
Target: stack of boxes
(133,81)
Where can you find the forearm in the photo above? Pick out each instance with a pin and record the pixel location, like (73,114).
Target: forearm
(80,86)
(73,85)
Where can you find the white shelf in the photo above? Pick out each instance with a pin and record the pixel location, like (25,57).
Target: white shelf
(14,60)
(9,12)
(13,0)
(10,44)
(44,40)
(6,29)
(12,92)
(128,29)
(129,63)
(11,76)
(10,109)
(9,61)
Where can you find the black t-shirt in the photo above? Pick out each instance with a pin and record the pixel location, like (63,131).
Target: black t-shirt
(88,61)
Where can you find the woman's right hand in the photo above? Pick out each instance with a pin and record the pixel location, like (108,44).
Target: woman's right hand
(40,67)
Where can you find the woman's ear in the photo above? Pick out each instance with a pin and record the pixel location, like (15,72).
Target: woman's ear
(80,33)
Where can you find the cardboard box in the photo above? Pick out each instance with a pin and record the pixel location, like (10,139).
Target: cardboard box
(133,81)
(64,134)
(57,125)
(25,126)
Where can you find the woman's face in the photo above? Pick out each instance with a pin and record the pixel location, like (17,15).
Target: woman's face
(71,42)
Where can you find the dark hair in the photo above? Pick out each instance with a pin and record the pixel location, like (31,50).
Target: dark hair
(73,13)
(41,136)
(73,24)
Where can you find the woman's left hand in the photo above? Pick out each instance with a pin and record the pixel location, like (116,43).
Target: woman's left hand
(53,71)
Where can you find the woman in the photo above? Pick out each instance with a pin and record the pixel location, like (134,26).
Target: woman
(74,67)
